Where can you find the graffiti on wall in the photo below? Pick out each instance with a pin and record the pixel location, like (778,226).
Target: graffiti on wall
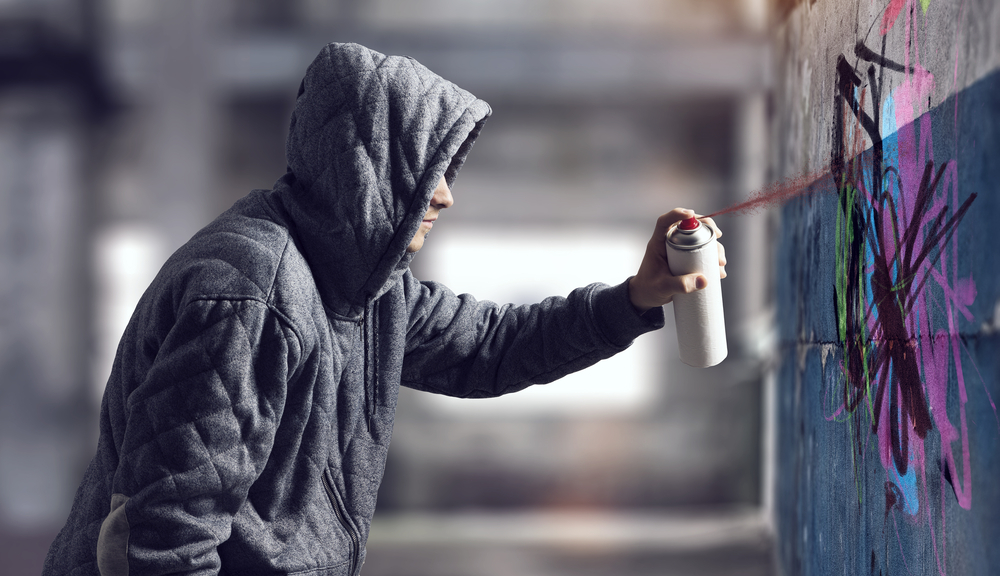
(898,293)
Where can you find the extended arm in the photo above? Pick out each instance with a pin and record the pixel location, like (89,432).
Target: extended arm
(460,346)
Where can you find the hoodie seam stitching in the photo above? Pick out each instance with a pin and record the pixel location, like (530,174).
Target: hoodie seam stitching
(592,319)
(281,316)
(274,278)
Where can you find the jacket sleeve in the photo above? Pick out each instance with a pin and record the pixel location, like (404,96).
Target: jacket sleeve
(459,346)
(199,430)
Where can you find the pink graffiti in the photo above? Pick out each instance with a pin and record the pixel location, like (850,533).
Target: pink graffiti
(892,11)
(891,14)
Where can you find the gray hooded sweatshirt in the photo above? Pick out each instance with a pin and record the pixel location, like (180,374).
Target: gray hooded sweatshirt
(245,424)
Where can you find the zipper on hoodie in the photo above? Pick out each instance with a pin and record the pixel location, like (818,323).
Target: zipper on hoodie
(370,378)
(375,356)
(342,518)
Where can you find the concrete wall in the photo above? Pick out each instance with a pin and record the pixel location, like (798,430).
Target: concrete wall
(888,285)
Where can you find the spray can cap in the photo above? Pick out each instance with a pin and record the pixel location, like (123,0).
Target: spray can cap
(689,234)
(689,224)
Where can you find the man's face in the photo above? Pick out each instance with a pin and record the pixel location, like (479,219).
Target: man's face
(441,200)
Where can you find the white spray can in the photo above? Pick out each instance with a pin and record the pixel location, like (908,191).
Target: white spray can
(701,325)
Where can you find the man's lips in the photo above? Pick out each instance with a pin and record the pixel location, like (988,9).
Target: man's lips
(429,223)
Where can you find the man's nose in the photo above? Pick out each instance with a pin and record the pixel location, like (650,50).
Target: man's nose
(442,196)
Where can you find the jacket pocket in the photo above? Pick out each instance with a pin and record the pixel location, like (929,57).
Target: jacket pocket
(112,542)
(340,511)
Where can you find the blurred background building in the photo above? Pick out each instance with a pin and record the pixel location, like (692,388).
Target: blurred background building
(126,125)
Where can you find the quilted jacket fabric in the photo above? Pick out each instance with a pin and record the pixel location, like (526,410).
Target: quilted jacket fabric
(245,425)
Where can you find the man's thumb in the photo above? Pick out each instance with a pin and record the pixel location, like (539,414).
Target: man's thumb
(687,283)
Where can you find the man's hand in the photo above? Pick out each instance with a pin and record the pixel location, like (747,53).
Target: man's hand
(654,285)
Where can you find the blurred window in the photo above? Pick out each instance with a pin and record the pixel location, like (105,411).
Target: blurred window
(126,259)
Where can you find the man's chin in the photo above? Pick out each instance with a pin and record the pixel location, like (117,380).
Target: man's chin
(417,243)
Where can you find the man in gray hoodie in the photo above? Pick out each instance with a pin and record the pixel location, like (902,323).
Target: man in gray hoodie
(245,425)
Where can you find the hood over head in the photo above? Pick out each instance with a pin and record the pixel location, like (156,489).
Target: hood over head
(370,137)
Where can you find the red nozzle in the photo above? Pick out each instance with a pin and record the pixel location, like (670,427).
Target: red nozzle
(689,224)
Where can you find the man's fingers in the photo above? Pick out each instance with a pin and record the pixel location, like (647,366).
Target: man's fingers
(654,284)
(663,224)
(711,224)
(722,260)
(666,220)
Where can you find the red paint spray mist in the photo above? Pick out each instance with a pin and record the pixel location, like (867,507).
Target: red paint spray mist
(775,194)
